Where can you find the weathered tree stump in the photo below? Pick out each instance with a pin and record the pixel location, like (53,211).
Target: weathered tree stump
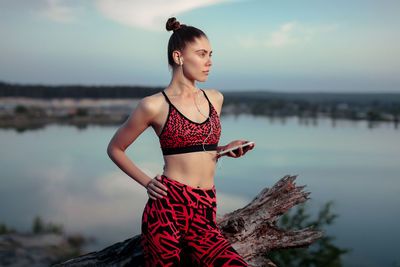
(251,230)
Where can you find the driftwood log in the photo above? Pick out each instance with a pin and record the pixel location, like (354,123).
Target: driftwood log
(252,231)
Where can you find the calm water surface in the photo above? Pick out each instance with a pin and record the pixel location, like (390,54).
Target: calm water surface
(64,175)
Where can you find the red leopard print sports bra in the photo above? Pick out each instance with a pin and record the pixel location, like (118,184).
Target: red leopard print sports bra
(181,135)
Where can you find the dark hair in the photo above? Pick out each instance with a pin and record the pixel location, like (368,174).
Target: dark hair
(182,35)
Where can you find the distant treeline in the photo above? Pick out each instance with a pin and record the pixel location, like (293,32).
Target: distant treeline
(370,106)
(75,91)
(355,106)
(105,91)
(274,100)
(370,99)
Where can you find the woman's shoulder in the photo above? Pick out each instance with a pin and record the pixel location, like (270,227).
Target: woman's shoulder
(215,95)
(216,98)
(152,104)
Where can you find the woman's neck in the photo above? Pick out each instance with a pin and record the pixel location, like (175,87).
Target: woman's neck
(182,85)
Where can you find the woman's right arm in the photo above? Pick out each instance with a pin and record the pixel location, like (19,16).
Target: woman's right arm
(136,123)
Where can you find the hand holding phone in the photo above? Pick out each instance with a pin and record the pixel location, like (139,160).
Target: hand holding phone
(235,149)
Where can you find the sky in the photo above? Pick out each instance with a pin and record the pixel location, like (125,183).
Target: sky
(272,45)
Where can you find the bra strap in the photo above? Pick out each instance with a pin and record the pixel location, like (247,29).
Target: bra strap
(205,96)
(166,97)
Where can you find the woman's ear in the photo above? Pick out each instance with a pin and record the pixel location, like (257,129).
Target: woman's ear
(176,55)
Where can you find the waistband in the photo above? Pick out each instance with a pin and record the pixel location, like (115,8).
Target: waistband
(180,193)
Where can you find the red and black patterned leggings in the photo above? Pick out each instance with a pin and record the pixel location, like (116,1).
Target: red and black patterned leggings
(185,218)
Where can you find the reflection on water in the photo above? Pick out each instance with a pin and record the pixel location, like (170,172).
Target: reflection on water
(64,175)
(33,126)
(323,252)
(301,120)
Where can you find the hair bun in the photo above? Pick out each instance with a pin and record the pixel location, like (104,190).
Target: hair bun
(173,24)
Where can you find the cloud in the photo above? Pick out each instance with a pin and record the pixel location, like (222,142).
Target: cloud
(281,37)
(309,32)
(56,10)
(150,14)
(288,34)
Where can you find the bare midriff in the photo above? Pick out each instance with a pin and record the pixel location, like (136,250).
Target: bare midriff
(195,169)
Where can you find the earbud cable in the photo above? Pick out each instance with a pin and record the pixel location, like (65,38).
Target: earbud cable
(211,127)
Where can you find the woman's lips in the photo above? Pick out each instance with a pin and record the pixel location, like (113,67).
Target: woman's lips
(206,72)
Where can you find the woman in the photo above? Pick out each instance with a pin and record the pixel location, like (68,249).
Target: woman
(181,209)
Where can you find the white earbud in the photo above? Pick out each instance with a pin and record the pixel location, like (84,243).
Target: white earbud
(180,61)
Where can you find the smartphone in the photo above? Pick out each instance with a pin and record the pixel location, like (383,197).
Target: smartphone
(235,148)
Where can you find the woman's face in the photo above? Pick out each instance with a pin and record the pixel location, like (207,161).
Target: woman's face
(197,59)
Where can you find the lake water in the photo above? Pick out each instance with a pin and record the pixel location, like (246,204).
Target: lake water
(64,175)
